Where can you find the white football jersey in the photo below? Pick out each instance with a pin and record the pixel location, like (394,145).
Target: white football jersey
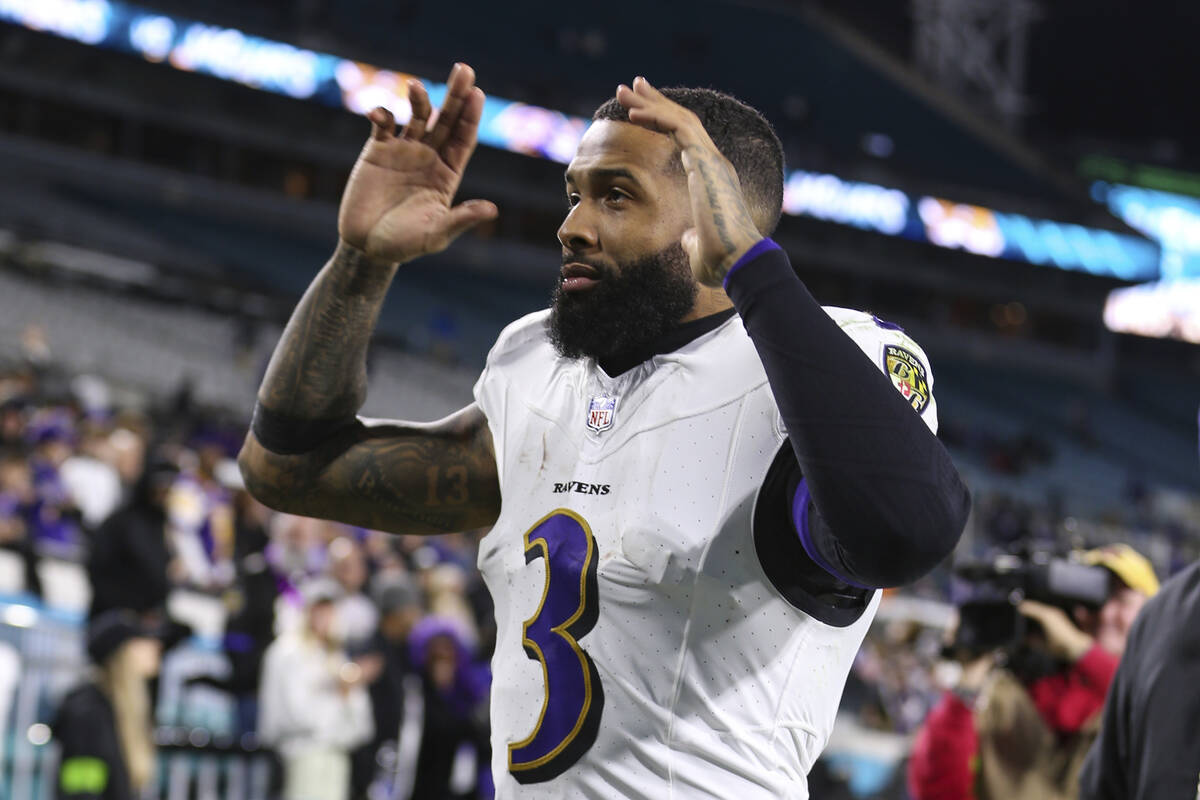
(641,650)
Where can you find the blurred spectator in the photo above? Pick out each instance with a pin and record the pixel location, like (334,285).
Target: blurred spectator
(250,603)
(35,345)
(250,607)
(383,552)
(130,564)
(399,604)
(104,726)
(356,617)
(127,450)
(57,525)
(313,708)
(296,551)
(92,482)
(446,590)
(451,758)
(18,504)
(12,421)
(201,519)
(1021,733)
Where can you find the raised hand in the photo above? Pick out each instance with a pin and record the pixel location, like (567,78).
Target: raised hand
(397,204)
(1064,639)
(723,228)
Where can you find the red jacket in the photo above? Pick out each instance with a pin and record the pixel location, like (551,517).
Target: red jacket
(943,761)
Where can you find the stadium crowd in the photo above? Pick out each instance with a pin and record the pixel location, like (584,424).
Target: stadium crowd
(337,638)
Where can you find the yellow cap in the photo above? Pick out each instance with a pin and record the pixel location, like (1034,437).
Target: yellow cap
(1127,564)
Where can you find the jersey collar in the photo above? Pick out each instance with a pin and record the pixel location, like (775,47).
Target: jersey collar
(671,341)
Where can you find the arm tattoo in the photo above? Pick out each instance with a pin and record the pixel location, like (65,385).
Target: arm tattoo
(422,484)
(415,478)
(400,477)
(710,190)
(722,190)
(318,370)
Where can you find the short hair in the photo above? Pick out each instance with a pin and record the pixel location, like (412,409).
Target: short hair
(741,134)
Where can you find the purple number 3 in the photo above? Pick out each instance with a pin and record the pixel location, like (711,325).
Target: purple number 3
(574,699)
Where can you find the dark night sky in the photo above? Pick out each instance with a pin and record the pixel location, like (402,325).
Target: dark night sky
(1107,69)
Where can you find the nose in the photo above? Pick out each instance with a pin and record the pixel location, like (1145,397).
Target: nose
(577,232)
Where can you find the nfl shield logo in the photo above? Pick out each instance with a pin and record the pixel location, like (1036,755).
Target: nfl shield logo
(601,412)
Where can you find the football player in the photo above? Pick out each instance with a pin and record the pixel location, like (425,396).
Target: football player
(697,479)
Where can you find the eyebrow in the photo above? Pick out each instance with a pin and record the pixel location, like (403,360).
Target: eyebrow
(603,172)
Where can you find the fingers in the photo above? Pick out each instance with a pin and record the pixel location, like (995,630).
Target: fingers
(383,124)
(459,89)
(418,98)
(1032,608)
(1043,613)
(650,108)
(461,144)
(465,216)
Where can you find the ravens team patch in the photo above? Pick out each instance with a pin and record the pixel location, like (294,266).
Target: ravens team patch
(908,374)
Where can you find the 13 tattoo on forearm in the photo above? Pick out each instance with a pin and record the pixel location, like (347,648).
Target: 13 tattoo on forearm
(437,485)
(396,477)
(318,370)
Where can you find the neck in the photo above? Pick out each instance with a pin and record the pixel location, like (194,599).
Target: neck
(709,300)
(688,329)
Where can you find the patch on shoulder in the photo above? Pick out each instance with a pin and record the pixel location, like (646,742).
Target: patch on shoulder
(909,375)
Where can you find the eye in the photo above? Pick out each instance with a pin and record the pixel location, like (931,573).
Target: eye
(615,196)
(572,199)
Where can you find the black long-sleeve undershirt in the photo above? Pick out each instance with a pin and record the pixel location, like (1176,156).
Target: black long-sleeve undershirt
(885,503)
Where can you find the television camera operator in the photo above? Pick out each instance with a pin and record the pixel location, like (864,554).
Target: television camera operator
(1038,646)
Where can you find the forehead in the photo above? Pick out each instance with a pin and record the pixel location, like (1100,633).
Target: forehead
(609,144)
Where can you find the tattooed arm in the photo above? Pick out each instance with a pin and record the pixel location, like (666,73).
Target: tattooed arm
(400,477)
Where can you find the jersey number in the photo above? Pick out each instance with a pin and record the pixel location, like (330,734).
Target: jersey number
(574,699)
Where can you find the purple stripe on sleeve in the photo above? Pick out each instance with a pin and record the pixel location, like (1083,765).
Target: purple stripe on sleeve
(763,246)
(800,520)
(883,323)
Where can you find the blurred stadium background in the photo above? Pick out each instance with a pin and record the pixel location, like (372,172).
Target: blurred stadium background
(1016,183)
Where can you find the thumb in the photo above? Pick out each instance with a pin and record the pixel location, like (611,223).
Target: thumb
(467,215)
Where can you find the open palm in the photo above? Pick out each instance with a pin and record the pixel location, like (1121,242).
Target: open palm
(398,202)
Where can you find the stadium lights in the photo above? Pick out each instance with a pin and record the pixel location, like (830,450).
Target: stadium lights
(232,55)
(975,229)
(1163,310)
(1170,307)
(19,615)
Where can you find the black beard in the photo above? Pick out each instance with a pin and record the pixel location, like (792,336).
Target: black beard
(627,310)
